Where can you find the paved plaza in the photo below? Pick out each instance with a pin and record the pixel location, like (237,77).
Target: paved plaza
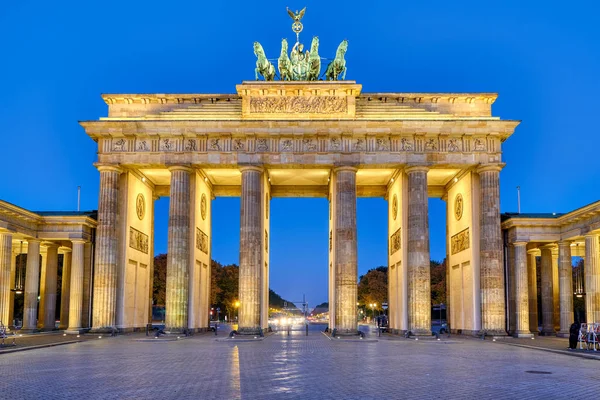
(294,367)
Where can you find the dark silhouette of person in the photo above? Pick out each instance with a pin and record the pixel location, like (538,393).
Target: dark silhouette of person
(573,335)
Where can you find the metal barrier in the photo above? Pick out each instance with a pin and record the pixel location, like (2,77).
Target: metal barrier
(4,336)
(588,335)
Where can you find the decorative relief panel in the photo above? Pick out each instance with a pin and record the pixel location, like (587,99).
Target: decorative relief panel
(166,145)
(395,207)
(431,145)
(458,207)
(138,240)
(214,144)
(335,144)
(262,145)
(406,145)
(142,145)
(201,241)
(309,145)
(479,145)
(266,241)
(383,144)
(359,145)
(203,206)
(454,145)
(395,242)
(140,206)
(459,242)
(299,104)
(330,240)
(238,145)
(191,145)
(119,145)
(286,145)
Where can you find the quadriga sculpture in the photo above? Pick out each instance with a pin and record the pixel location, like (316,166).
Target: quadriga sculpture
(263,66)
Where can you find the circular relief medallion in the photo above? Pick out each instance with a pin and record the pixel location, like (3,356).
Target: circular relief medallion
(203,206)
(140,206)
(395,207)
(458,206)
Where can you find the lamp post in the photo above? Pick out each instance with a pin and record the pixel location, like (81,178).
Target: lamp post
(373,305)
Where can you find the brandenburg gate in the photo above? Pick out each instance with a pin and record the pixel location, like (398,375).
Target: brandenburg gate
(298,139)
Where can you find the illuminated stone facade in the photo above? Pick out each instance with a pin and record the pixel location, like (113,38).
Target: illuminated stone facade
(299,139)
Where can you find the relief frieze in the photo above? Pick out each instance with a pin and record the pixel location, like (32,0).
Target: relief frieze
(459,242)
(299,104)
(201,241)
(138,240)
(166,145)
(406,145)
(395,242)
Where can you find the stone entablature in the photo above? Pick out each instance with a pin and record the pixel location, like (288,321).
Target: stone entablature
(366,106)
(552,228)
(46,225)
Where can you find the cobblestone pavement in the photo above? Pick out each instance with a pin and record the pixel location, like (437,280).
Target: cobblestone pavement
(294,367)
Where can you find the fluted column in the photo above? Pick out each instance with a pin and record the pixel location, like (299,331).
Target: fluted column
(419,278)
(5,282)
(592,278)
(65,290)
(178,258)
(50,285)
(547,292)
(346,252)
(565,284)
(555,290)
(76,287)
(107,243)
(493,309)
(532,283)
(32,281)
(250,251)
(521,291)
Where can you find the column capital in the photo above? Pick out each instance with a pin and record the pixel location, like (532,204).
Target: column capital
(489,167)
(185,168)
(591,235)
(416,168)
(82,241)
(50,244)
(33,240)
(519,244)
(535,252)
(345,168)
(257,168)
(563,243)
(108,167)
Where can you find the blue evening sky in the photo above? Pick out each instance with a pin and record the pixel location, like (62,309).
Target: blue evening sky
(541,57)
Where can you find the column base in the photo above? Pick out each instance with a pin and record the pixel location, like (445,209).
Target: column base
(103,329)
(562,334)
(344,332)
(420,332)
(74,331)
(250,331)
(29,330)
(548,333)
(493,332)
(526,335)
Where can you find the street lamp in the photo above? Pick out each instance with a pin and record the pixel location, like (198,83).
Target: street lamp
(237,306)
(373,305)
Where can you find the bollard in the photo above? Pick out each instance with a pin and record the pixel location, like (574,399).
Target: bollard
(288,329)
(216,328)
(306,329)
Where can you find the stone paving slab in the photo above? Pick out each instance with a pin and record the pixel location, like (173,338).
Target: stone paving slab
(294,367)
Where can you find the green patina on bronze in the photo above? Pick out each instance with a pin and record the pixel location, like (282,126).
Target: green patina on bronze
(300,65)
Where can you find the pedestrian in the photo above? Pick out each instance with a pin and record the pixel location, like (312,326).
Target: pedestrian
(573,335)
